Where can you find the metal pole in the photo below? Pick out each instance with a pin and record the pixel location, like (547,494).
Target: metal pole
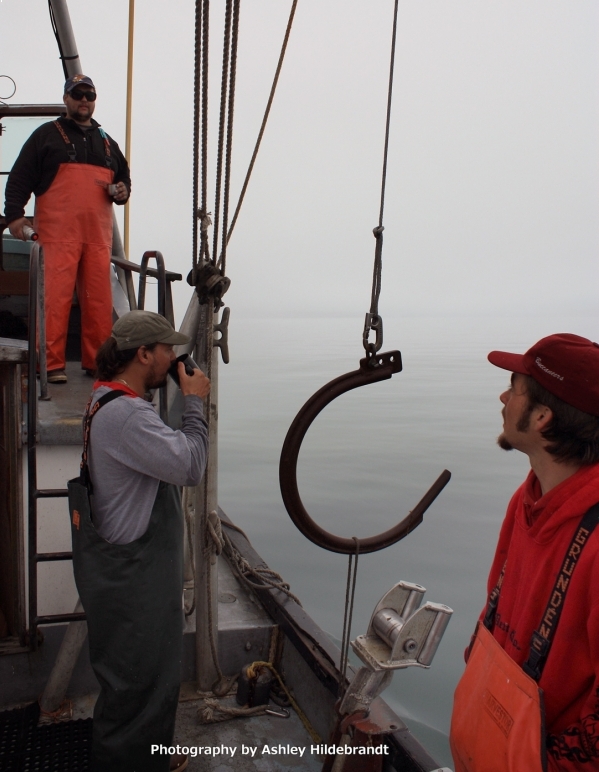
(65,33)
(129,101)
(206,578)
(73,66)
(41,300)
(31,449)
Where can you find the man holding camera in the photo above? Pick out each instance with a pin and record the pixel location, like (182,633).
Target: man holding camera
(76,172)
(128,563)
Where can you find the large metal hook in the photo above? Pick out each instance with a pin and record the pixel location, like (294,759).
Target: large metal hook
(378,367)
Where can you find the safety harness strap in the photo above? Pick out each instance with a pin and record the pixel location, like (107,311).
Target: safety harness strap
(89,414)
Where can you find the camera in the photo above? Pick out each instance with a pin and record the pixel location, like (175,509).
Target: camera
(190,366)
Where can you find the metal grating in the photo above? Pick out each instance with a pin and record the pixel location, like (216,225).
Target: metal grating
(25,747)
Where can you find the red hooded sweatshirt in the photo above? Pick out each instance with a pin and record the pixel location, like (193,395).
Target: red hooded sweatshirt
(534,539)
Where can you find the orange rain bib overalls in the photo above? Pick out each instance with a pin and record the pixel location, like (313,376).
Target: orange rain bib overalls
(74,221)
(498,720)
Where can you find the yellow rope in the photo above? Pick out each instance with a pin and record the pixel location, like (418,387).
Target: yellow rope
(251,671)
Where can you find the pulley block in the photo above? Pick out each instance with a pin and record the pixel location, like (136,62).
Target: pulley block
(210,284)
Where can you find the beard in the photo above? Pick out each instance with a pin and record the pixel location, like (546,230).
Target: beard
(155,380)
(503,443)
(78,117)
(522,425)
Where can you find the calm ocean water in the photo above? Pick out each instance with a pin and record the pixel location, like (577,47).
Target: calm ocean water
(366,461)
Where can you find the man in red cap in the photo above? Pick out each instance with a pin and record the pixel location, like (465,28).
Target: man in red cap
(76,172)
(529,698)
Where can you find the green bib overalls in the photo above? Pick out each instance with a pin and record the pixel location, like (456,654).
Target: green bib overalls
(132,595)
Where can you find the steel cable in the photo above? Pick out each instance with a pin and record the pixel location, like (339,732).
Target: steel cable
(196,128)
(350,593)
(373,320)
(204,250)
(229,147)
(221,125)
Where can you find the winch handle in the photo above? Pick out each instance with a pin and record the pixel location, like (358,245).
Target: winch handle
(378,367)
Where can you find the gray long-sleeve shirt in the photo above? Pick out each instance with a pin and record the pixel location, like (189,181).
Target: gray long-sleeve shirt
(130,451)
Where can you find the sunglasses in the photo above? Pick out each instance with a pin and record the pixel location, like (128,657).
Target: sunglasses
(77,94)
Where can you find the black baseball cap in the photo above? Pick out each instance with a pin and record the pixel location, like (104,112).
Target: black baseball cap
(78,80)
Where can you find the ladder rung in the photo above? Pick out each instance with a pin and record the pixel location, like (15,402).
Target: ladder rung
(55,618)
(51,493)
(43,557)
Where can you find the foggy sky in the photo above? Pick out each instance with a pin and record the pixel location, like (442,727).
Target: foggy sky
(492,192)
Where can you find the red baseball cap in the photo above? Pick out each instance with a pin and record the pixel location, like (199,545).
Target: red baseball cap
(564,364)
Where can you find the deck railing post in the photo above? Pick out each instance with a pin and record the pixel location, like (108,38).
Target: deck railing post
(31,450)
(206,574)
(41,321)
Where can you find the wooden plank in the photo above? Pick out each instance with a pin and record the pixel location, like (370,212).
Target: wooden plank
(12,350)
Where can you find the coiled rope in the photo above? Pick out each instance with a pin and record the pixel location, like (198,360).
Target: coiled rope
(257,577)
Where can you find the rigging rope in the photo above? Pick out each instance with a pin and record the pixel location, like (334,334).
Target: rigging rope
(229,68)
(373,321)
(221,123)
(266,576)
(388,122)
(204,249)
(230,111)
(350,592)
(200,133)
(273,89)
(196,128)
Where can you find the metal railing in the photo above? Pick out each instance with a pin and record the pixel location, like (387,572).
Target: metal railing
(125,268)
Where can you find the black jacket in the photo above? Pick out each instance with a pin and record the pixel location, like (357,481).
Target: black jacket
(39,159)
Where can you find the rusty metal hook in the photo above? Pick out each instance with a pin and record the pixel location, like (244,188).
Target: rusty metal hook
(379,367)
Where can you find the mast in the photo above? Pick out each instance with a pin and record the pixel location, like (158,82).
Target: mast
(206,564)
(129,101)
(67,46)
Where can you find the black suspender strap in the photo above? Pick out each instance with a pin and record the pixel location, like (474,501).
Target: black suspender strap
(489,619)
(89,414)
(72,152)
(543,636)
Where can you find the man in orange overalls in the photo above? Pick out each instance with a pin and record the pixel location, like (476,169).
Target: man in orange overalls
(529,698)
(76,172)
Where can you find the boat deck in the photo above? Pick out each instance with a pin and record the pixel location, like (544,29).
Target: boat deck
(278,734)
(59,418)
(237,744)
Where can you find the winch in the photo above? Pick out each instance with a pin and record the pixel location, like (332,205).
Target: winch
(401,634)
